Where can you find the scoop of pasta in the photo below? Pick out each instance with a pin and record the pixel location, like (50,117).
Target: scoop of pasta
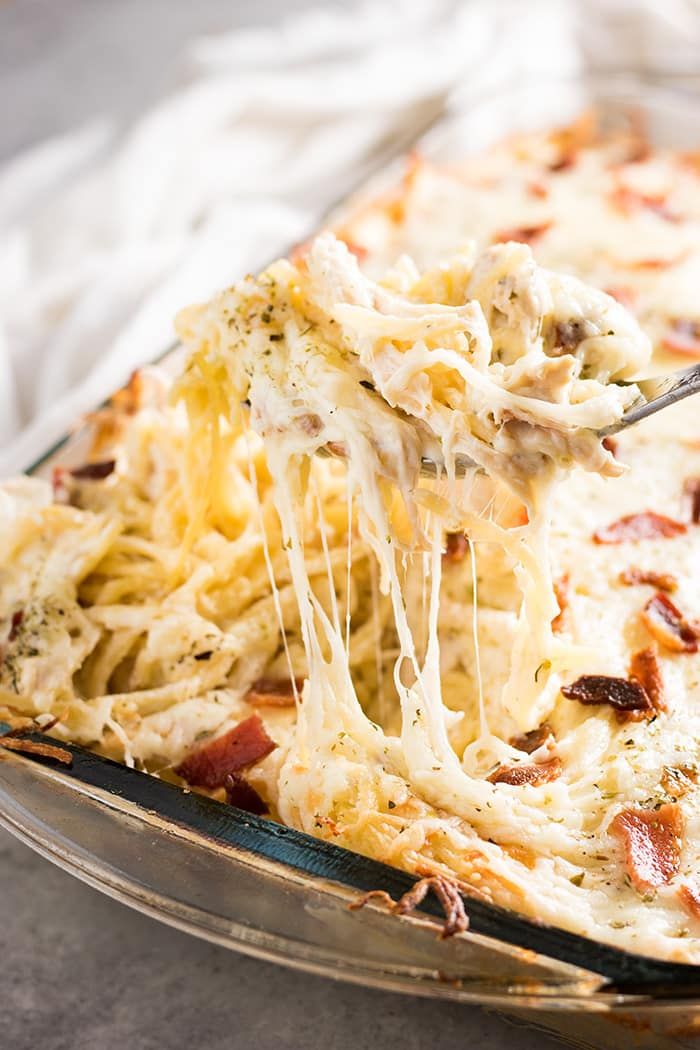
(492,358)
(489,357)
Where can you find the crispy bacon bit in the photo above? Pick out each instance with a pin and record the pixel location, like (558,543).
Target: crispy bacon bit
(35,747)
(535,774)
(299,251)
(623,293)
(657,264)
(663,581)
(522,234)
(691,494)
(573,137)
(646,669)
(358,250)
(690,159)
(668,625)
(95,471)
(243,795)
(689,896)
(456,547)
(683,337)
(561,591)
(563,163)
(621,693)
(273,692)
(209,765)
(647,525)
(131,397)
(532,740)
(446,891)
(652,842)
(58,484)
(626,200)
(538,189)
(678,780)
(15,624)
(639,151)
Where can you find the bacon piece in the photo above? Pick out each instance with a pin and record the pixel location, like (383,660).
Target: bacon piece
(596,689)
(535,774)
(35,747)
(683,337)
(627,201)
(132,396)
(243,795)
(646,669)
(647,525)
(689,896)
(538,189)
(522,234)
(663,581)
(15,624)
(570,139)
(94,471)
(456,547)
(447,892)
(273,692)
(653,264)
(563,163)
(358,250)
(533,739)
(299,251)
(623,293)
(652,843)
(209,765)
(667,624)
(678,780)
(639,151)
(691,493)
(561,592)
(58,484)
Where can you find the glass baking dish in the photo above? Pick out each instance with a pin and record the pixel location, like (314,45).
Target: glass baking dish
(279,894)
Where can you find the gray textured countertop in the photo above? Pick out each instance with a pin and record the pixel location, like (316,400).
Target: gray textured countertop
(79,970)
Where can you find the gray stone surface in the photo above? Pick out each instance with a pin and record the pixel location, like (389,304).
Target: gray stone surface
(81,972)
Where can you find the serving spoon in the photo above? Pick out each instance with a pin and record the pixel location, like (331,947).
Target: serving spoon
(655,394)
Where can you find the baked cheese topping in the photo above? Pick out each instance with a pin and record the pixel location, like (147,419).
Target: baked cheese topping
(435,700)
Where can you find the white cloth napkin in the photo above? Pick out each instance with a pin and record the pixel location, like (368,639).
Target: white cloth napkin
(104,237)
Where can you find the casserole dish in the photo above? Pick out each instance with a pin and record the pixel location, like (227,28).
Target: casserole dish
(280,894)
